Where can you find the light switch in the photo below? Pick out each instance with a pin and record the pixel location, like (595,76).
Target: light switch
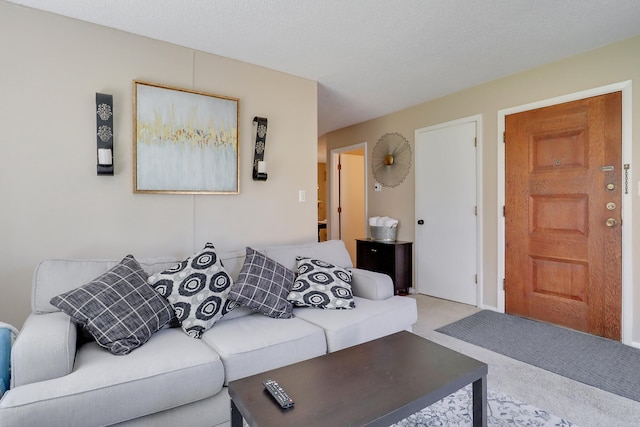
(302,196)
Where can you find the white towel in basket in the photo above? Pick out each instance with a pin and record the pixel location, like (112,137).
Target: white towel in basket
(383,221)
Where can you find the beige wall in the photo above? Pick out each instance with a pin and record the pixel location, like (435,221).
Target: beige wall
(54,205)
(604,66)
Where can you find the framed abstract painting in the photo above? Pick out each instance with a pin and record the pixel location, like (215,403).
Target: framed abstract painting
(185,141)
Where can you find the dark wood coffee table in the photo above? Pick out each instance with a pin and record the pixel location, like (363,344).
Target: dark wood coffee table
(373,384)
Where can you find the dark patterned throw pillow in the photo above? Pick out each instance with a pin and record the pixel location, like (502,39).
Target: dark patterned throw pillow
(197,288)
(322,285)
(119,309)
(263,285)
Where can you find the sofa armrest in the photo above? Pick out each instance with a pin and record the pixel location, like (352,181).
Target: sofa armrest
(44,349)
(371,285)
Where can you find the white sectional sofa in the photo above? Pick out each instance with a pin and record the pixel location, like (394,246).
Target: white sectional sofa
(174,379)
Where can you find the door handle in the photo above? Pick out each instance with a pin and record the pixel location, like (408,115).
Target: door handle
(420,221)
(610,222)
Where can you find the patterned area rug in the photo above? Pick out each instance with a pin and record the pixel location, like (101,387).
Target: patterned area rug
(457,410)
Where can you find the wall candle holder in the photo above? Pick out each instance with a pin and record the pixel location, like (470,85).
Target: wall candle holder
(259,165)
(104,133)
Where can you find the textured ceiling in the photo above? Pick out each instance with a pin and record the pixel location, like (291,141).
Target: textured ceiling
(372,57)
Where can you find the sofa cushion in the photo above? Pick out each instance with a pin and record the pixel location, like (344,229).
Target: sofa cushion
(233,261)
(170,370)
(368,321)
(332,251)
(263,285)
(197,289)
(119,309)
(322,285)
(56,276)
(253,344)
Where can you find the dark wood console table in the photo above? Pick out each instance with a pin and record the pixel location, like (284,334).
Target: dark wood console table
(393,258)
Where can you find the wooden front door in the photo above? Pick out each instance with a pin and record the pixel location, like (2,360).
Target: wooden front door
(563,222)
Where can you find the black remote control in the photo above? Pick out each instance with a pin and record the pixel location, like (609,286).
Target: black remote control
(278,394)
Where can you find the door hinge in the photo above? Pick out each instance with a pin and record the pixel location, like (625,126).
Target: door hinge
(475,210)
(339,209)
(504,284)
(475,142)
(504,211)
(504,137)
(476,279)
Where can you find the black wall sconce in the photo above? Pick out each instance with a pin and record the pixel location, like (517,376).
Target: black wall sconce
(104,133)
(259,165)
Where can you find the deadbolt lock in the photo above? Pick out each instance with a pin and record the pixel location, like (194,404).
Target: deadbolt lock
(611,186)
(611,222)
(611,206)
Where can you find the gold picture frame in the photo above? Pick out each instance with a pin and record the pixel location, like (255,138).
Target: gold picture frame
(184,141)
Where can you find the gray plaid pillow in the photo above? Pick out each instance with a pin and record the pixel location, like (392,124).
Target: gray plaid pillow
(119,309)
(263,285)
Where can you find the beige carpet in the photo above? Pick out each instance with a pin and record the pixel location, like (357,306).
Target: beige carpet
(576,402)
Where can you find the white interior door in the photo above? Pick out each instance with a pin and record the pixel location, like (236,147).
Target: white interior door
(446,233)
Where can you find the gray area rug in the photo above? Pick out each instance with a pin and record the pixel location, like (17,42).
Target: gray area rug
(456,410)
(599,362)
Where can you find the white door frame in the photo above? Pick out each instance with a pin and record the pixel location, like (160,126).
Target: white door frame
(334,229)
(479,198)
(627,255)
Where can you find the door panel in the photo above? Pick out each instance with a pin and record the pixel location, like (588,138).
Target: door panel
(563,262)
(446,251)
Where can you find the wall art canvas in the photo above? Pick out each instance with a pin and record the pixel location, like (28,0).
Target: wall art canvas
(185,141)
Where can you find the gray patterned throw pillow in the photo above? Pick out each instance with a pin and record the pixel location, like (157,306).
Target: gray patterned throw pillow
(263,285)
(119,309)
(197,288)
(322,285)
